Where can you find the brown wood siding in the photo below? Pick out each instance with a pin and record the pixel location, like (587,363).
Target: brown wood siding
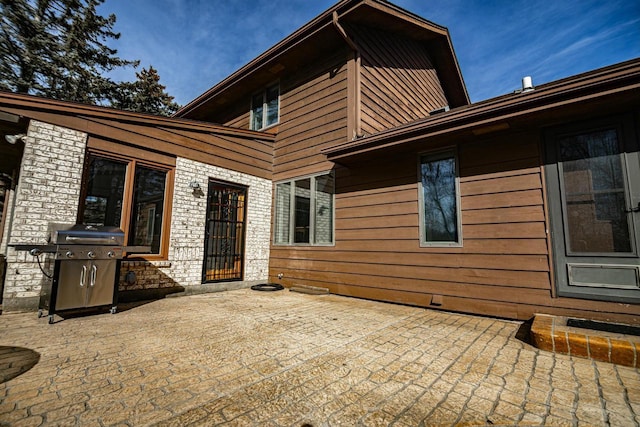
(225,151)
(242,120)
(503,267)
(399,83)
(313,116)
(242,153)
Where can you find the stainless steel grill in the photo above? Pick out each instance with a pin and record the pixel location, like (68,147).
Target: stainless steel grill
(82,242)
(86,269)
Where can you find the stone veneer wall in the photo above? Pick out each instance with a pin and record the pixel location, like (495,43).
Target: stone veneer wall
(186,247)
(48,191)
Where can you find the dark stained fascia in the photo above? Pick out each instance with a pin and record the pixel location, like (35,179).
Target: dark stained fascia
(439,40)
(28,103)
(615,79)
(446,63)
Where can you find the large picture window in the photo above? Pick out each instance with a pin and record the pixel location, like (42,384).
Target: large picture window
(265,108)
(439,210)
(305,211)
(128,194)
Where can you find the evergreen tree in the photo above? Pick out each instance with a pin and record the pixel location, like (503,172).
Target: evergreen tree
(145,95)
(24,37)
(56,49)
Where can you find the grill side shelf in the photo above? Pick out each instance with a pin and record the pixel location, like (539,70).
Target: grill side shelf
(51,249)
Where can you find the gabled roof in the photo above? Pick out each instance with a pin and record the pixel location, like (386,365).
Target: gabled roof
(320,37)
(605,90)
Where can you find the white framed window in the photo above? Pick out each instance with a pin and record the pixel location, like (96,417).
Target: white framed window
(439,198)
(265,108)
(305,211)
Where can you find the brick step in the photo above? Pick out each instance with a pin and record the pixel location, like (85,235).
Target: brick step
(551,333)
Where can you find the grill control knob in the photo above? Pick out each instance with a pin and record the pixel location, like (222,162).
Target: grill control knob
(91,254)
(69,254)
(111,254)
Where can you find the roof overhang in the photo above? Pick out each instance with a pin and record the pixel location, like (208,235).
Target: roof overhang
(600,91)
(150,137)
(319,38)
(36,107)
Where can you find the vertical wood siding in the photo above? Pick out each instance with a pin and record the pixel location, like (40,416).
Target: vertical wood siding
(502,269)
(398,80)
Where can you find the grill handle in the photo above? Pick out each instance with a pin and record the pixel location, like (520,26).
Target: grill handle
(83,273)
(91,240)
(94,273)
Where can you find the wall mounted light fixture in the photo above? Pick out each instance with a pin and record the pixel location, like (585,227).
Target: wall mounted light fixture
(12,139)
(195,186)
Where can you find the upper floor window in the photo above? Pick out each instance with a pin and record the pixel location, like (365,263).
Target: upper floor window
(305,211)
(439,199)
(265,108)
(128,194)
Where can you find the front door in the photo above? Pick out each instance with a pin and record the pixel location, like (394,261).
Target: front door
(593,178)
(224,234)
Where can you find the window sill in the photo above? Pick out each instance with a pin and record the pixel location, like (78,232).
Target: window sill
(304,245)
(441,245)
(267,128)
(144,257)
(143,262)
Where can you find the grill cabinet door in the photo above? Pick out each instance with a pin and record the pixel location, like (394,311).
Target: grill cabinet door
(100,282)
(72,284)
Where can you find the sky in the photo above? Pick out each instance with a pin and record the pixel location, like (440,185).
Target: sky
(195,44)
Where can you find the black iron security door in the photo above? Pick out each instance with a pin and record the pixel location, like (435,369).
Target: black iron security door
(224,234)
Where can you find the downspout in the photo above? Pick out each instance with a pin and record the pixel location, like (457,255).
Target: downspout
(356,98)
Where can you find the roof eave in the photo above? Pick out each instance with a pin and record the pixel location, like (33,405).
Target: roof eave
(457,90)
(318,24)
(313,26)
(31,102)
(610,80)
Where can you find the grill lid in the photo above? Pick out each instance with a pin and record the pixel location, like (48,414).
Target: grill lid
(80,234)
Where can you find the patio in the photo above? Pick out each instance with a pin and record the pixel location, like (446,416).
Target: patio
(290,359)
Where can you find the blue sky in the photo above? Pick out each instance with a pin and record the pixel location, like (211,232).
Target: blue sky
(196,43)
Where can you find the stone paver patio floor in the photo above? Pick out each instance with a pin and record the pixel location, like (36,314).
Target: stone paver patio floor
(289,359)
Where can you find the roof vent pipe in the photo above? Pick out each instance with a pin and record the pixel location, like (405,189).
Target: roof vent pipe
(527,84)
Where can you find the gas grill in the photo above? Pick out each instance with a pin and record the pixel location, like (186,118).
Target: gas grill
(86,270)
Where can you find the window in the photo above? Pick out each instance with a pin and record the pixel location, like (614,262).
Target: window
(594,189)
(439,210)
(265,108)
(128,194)
(304,211)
